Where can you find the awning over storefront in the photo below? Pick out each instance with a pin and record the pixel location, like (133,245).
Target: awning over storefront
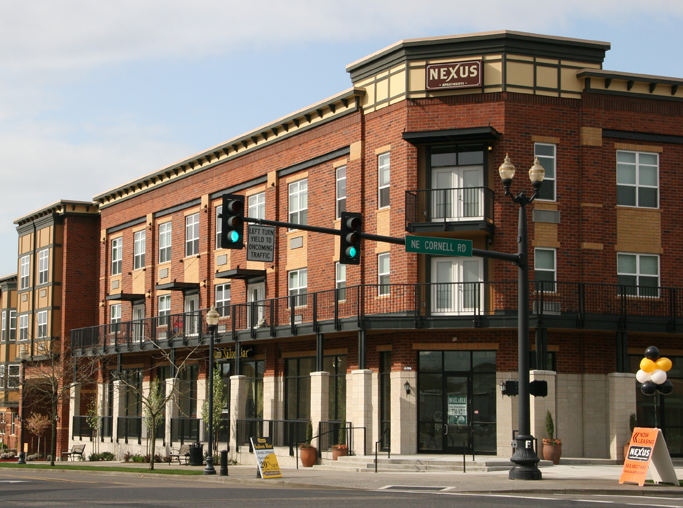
(126,297)
(452,135)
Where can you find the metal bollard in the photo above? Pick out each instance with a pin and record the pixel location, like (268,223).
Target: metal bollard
(224,463)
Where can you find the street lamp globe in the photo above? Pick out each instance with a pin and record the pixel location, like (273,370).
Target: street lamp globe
(536,174)
(212,316)
(507,172)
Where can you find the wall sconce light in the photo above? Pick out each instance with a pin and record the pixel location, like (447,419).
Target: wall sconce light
(407,387)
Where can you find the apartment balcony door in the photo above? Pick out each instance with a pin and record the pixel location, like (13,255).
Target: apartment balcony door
(456,287)
(458,193)
(256,295)
(192,315)
(138,322)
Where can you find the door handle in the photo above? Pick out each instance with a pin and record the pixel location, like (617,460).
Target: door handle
(445,426)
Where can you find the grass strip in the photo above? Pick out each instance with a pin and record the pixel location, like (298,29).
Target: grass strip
(137,470)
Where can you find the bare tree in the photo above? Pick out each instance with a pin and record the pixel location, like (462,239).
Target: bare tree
(220,399)
(92,416)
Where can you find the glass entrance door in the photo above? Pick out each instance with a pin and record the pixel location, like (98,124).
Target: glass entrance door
(457,396)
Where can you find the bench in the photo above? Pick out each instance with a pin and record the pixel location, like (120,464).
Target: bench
(183,453)
(75,450)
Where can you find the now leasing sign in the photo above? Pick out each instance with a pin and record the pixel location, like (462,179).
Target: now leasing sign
(454,75)
(438,246)
(647,449)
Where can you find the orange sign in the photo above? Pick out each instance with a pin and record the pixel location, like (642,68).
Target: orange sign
(647,447)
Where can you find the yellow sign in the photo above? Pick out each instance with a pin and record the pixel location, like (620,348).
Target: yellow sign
(265,457)
(25,447)
(229,353)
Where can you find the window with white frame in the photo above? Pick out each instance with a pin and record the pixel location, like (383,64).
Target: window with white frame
(115,317)
(637,179)
(12,325)
(23,327)
(219,225)
(384,173)
(340,281)
(2,377)
(383,274)
(43,266)
(298,284)
(298,202)
(341,190)
(546,156)
(638,274)
(42,324)
(192,235)
(257,206)
(165,233)
(24,277)
(139,249)
(223,299)
(3,332)
(14,418)
(545,269)
(116,255)
(13,373)
(164,309)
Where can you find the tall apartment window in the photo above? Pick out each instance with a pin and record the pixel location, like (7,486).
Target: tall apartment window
(165,242)
(298,202)
(14,418)
(139,249)
(23,327)
(298,388)
(223,299)
(545,269)
(546,156)
(219,225)
(336,366)
(24,272)
(298,283)
(43,270)
(257,206)
(42,324)
(383,274)
(384,170)
(164,309)
(340,282)
(341,190)
(639,274)
(13,372)
(116,255)
(12,325)
(192,235)
(638,179)
(115,317)
(3,332)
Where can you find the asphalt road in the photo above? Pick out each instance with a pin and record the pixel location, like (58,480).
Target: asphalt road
(51,488)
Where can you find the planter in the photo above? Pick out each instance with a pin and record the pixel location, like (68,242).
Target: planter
(552,451)
(308,456)
(339,452)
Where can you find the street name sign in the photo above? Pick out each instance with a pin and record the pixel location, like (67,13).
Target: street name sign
(438,246)
(261,243)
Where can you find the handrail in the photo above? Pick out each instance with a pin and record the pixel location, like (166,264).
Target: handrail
(377,444)
(352,428)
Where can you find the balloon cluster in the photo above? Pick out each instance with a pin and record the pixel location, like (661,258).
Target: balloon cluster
(652,373)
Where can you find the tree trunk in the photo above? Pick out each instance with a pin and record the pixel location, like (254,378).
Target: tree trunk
(154,440)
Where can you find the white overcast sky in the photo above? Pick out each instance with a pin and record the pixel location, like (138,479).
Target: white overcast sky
(96,93)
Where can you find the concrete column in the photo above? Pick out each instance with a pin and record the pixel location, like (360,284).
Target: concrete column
(361,409)
(570,413)
(622,402)
(320,401)
(119,407)
(238,408)
(541,405)
(403,413)
(202,395)
(145,394)
(507,411)
(595,416)
(171,408)
(74,406)
(270,399)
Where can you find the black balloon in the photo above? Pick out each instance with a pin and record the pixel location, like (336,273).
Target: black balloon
(666,387)
(652,353)
(649,388)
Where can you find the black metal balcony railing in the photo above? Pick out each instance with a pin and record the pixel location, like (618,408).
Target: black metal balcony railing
(81,428)
(185,429)
(281,432)
(129,428)
(387,303)
(449,205)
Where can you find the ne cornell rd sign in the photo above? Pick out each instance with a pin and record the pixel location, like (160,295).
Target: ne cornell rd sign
(454,75)
(438,246)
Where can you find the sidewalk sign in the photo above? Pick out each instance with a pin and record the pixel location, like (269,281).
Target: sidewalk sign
(265,457)
(648,447)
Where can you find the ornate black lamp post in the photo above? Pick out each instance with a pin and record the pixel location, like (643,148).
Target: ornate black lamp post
(212,318)
(23,357)
(524,457)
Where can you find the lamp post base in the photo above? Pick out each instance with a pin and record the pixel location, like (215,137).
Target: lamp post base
(209,466)
(21,458)
(525,460)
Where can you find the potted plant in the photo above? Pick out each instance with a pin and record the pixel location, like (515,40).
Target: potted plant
(552,448)
(308,453)
(340,449)
(632,422)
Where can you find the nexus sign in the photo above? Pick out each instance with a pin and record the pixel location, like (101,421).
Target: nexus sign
(454,75)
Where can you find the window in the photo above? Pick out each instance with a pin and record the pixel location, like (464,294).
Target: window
(164,309)
(298,202)
(545,269)
(3,332)
(13,376)
(298,280)
(257,206)
(219,225)
(341,190)
(192,235)
(24,272)
(223,299)
(139,248)
(383,274)
(23,327)
(116,255)
(42,324)
(336,366)
(639,273)
(12,325)
(340,281)
(165,242)
(298,388)
(384,171)
(43,258)
(115,317)
(546,156)
(14,418)
(2,377)
(638,179)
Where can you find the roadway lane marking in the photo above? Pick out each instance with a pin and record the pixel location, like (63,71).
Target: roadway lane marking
(48,479)
(14,481)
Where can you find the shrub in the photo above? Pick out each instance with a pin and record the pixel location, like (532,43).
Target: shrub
(107,456)
(138,458)
(127,457)
(550,427)
(7,455)
(33,456)
(93,457)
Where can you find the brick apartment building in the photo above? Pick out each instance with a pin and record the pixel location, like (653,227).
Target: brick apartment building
(411,348)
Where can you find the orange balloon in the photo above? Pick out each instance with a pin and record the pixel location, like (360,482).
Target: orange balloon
(664,364)
(647,365)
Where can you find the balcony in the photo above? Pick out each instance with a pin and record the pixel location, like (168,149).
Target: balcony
(462,209)
(400,306)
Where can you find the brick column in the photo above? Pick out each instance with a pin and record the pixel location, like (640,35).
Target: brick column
(238,408)
(403,413)
(320,401)
(622,402)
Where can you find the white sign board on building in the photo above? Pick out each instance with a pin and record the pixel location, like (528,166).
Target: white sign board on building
(261,243)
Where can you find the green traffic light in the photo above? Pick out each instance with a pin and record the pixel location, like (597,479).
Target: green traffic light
(352,252)
(234,236)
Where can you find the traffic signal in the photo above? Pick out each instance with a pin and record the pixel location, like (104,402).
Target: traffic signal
(232,233)
(349,246)
(538,388)
(510,387)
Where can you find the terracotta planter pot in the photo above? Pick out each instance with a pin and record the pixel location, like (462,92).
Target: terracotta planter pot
(552,452)
(308,456)
(339,452)
(558,452)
